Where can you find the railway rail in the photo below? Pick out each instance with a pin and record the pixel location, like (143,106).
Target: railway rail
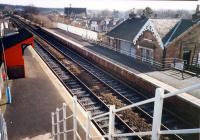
(96,89)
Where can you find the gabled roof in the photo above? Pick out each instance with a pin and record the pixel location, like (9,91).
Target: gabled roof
(182,26)
(9,41)
(163,26)
(128,29)
(165,30)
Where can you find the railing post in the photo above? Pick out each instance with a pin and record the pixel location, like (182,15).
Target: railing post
(74,116)
(64,121)
(58,123)
(53,125)
(111,121)
(157,115)
(88,126)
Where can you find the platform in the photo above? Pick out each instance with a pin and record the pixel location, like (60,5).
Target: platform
(169,80)
(34,98)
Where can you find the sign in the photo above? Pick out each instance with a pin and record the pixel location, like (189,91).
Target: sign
(178,65)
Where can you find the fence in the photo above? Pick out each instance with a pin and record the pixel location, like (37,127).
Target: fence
(59,122)
(85,33)
(156,126)
(167,63)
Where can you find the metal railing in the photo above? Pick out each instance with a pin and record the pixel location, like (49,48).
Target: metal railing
(3,128)
(167,63)
(156,125)
(59,120)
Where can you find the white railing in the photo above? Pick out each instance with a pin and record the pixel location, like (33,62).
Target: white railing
(167,63)
(59,120)
(3,128)
(156,126)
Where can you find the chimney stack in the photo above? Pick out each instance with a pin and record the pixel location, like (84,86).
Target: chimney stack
(198,8)
(132,14)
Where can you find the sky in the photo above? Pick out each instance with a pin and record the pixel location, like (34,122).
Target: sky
(107,4)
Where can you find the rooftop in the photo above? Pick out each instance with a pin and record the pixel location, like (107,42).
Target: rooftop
(128,29)
(15,38)
(163,26)
(178,29)
(168,29)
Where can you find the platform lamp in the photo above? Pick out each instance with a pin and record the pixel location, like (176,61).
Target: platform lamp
(8,92)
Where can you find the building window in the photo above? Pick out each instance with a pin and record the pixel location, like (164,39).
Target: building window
(146,54)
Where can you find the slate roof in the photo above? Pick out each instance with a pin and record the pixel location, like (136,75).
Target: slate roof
(168,29)
(128,29)
(9,41)
(178,29)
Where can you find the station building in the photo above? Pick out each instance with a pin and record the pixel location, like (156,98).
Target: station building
(157,40)
(12,49)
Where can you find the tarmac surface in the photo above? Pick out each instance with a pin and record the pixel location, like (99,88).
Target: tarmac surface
(34,98)
(170,77)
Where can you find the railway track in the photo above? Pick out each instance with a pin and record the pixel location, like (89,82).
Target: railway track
(106,89)
(87,99)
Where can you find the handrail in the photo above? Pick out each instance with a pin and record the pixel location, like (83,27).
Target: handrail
(158,99)
(155,133)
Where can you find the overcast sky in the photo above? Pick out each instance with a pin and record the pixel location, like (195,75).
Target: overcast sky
(107,4)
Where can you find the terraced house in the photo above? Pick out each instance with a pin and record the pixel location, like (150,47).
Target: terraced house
(158,40)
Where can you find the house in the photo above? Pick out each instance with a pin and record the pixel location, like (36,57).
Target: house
(157,40)
(12,48)
(96,24)
(103,24)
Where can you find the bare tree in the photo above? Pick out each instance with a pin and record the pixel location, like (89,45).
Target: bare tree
(132,13)
(106,13)
(31,9)
(147,12)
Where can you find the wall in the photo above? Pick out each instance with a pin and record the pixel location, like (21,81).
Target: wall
(15,60)
(175,49)
(151,44)
(78,31)
(14,53)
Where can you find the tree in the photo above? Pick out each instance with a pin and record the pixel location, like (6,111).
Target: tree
(106,13)
(132,13)
(177,16)
(147,12)
(31,9)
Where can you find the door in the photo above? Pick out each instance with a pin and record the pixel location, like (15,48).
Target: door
(186,57)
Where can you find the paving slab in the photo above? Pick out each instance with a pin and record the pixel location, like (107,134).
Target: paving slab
(34,98)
